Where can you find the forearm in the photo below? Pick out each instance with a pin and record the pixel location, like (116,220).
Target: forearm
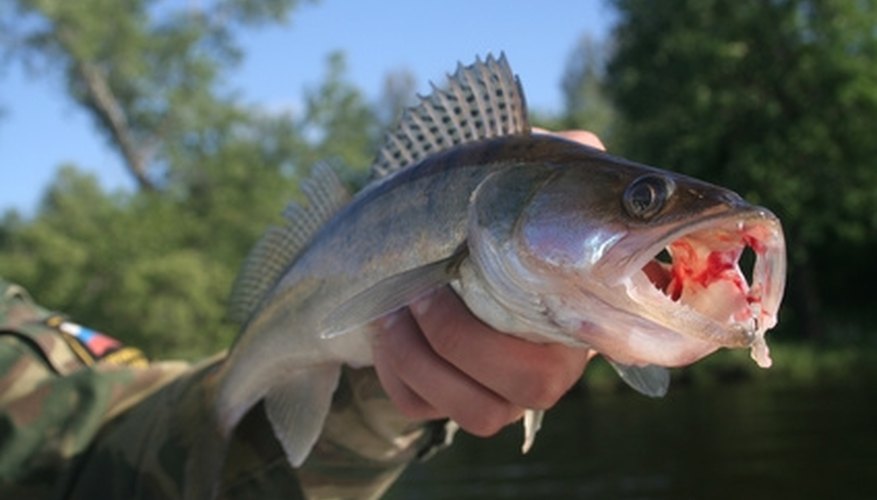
(142,452)
(76,428)
(365,444)
(168,446)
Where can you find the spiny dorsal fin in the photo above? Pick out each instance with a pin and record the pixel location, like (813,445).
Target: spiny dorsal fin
(481,101)
(278,247)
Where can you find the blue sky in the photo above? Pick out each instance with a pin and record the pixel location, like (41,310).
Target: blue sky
(41,129)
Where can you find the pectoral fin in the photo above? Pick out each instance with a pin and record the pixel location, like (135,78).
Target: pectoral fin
(390,294)
(651,380)
(297,409)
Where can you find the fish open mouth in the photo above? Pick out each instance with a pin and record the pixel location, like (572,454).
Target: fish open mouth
(728,271)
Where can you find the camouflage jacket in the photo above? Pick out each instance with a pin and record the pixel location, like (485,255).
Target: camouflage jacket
(82,416)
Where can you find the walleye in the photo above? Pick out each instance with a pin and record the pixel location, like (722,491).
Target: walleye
(543,238)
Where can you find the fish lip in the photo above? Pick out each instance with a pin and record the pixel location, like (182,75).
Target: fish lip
(771,267)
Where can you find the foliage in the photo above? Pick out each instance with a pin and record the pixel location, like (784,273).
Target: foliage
(154,267)
(150,77)
(339,122)
(128,265)
(773,99)
(587,104)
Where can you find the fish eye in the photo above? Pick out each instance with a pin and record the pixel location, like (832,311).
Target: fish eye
(646,196)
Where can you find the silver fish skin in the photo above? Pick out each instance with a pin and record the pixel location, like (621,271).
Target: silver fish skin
(543,238)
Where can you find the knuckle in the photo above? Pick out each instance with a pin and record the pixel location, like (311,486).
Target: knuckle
(546,392)
(445,340)
(531,393)
(402,361)
(584,137)
(413,408)
(443,321)
(545,385)
(489,420)
(405,405)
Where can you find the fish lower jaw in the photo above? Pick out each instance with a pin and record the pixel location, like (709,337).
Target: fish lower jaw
(707,314)
(720,280)
(720,327)
(622,330)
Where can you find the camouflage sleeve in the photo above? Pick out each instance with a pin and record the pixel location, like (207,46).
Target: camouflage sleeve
(73,425)
(151,449)
(59,384)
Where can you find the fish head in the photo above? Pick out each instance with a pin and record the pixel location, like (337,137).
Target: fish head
(644,265)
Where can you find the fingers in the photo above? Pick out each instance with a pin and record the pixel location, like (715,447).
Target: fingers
(582,136)
(423,385)
(387,363)
(437,360)
(527,374)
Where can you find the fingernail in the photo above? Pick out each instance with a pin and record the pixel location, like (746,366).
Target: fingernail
(387,321)
(422,304)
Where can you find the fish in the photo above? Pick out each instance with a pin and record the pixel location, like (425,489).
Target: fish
(543,238)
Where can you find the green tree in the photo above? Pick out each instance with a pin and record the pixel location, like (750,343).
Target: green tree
(398,93)
(587,103)
(130,265)
(155,266)
(339,122)
(773,99)
(148,74)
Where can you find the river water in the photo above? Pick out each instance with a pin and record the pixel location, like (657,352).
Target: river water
(735,442)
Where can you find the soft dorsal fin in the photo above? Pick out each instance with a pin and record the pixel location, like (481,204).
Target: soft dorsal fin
(481,101)
(280,245)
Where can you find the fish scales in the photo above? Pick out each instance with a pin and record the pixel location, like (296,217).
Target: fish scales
(370,240)
(543,238)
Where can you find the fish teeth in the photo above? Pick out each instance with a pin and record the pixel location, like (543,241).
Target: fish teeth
(760,353)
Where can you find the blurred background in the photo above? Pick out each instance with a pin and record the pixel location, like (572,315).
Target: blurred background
(146,144)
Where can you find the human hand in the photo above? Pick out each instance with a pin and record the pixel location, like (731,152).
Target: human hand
(436,360)
(582,136)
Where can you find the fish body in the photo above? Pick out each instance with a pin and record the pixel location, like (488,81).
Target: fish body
(543,238)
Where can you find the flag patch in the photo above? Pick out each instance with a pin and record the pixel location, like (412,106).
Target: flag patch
(97,344)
